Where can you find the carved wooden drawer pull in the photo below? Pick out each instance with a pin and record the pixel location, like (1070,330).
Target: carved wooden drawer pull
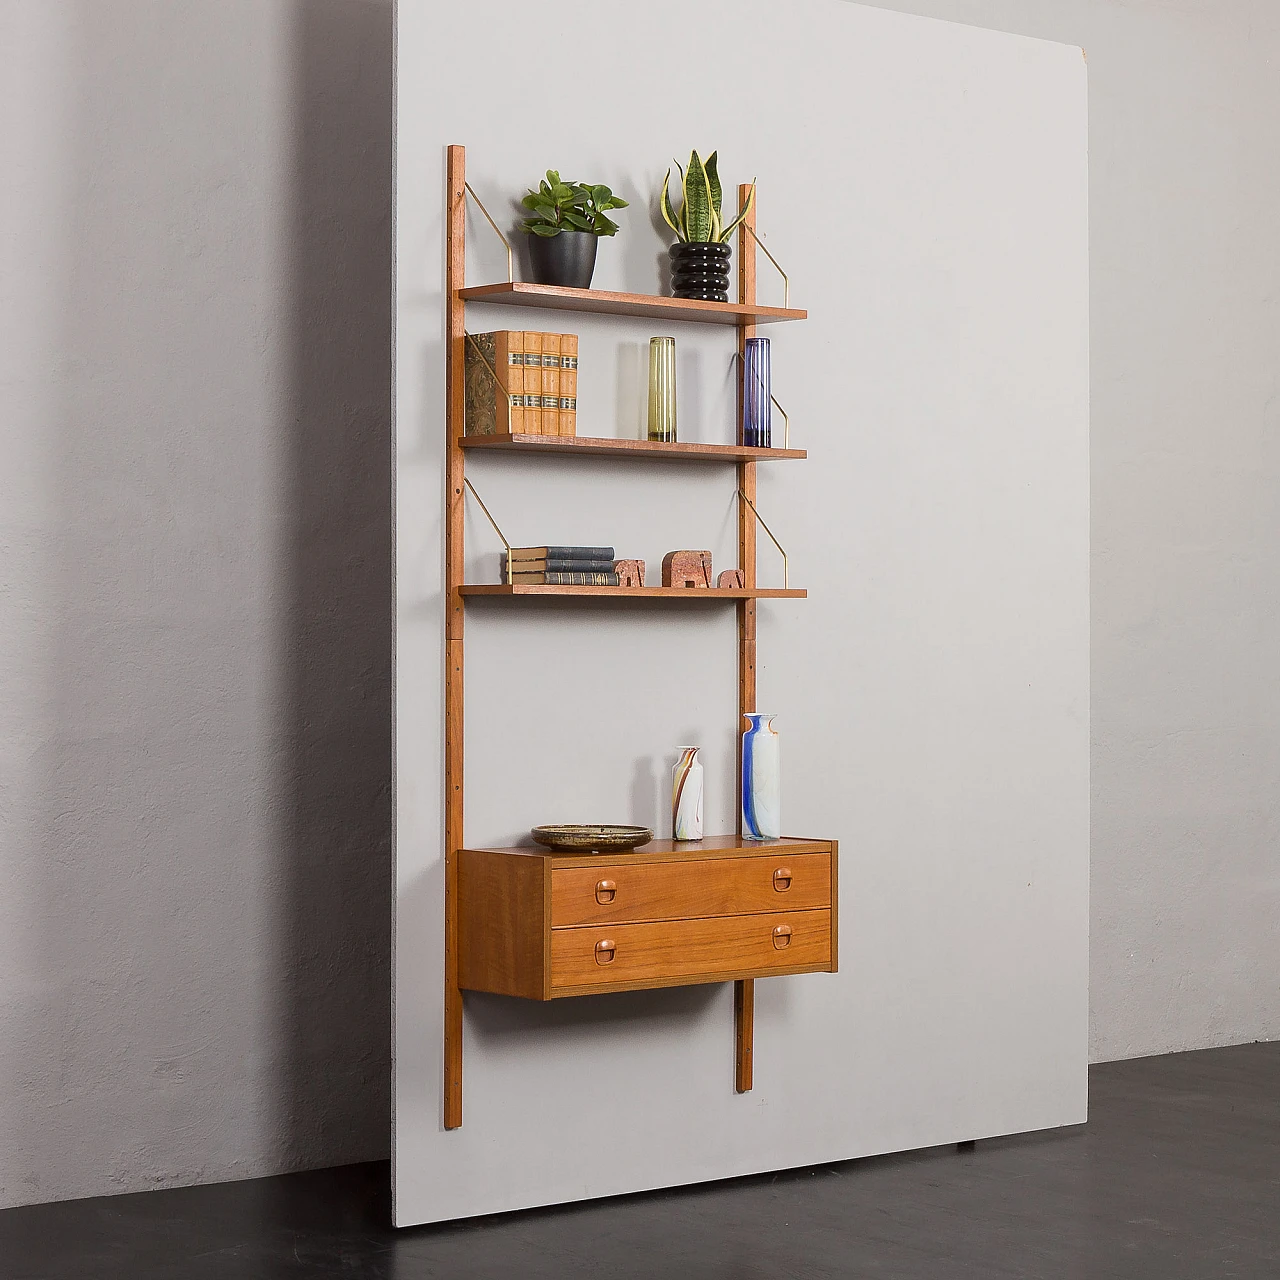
(606,891)
(606,948)
(782,936)
(782,879)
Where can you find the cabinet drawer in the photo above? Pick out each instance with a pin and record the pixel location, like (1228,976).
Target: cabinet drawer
(680,890)
(678,952)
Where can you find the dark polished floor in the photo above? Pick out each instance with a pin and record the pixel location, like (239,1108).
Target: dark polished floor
(1176,1177)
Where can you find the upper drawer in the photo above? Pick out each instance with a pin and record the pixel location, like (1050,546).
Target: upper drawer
(690,890)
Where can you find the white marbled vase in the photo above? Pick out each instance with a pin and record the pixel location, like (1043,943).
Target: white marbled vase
(761,780)
(686,795)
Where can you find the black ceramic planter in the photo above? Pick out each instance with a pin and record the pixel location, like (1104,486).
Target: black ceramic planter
(566,259)
(700,271)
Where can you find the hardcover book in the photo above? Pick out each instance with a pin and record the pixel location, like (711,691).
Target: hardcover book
(562,553)
(551,384)
(559,564)
(568,384)
(565,579)
(493,370)
(533,418)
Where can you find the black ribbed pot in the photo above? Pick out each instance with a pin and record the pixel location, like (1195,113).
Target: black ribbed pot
(701,271)
(567,258)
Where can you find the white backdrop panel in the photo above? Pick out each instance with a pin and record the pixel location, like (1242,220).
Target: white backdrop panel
(925,186)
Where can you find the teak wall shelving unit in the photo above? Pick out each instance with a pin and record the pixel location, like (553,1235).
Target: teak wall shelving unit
(544,925)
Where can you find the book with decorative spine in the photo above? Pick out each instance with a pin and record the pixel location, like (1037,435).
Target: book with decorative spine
(532,382)
(559,564)
(494,383)
(568,384)
(564,579)
(562,553)
(550,384)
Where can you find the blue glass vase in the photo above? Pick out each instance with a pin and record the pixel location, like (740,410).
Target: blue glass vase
(761,780)
(757,404)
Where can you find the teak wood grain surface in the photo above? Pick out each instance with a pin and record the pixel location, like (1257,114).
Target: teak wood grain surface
(672,851)
(686,595)
(744,993)
(455,617)
(661,450)
(680,952)
(502,912)
(601,301)
(516,908)
(660,891)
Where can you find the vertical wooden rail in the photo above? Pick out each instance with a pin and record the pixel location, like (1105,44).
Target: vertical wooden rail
(455,279)
(744,992)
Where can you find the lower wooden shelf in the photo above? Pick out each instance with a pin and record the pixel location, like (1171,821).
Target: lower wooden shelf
(544,925)
(690,595)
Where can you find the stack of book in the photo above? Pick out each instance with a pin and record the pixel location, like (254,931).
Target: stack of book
(521,383)
(560,567)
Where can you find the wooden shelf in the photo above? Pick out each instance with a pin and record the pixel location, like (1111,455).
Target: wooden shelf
(629,304)
(618,448)
(691,595)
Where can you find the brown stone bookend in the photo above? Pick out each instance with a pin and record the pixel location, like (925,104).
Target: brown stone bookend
(630,572)
(730,580)
(686,569)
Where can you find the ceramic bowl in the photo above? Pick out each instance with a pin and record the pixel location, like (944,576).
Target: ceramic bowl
(588,838)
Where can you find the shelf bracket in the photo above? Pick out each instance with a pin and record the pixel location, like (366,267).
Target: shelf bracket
(499,532)
(786,284)
(776,543)
(511,275)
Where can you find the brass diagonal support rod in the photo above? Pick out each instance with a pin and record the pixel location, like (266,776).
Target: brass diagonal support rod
(493,522)
(511,275)
(786,284)
(776,543)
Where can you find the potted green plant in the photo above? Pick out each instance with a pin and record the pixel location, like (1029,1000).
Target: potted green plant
(568,218)
(700,258)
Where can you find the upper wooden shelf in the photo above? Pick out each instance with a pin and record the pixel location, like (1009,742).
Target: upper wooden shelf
(678,451)
(629,304)
(691,595)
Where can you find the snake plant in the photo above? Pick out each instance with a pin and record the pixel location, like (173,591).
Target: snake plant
(698,221)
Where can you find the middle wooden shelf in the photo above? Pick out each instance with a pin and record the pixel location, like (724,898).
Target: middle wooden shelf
(676,451)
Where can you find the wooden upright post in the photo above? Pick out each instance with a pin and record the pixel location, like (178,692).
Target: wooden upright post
(744,992)
(455,279)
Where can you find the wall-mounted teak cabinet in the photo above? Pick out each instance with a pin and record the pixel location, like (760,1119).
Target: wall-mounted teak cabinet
(543,925)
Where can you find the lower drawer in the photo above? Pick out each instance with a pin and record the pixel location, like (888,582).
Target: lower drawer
(672,953)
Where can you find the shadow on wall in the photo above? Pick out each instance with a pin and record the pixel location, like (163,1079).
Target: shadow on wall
(200,836)
(335,959)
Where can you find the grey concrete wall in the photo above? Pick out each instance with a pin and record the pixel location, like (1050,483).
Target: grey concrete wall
(194,590)
(1184,130)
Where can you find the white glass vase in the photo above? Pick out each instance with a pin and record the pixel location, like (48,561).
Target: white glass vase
(686,795)
(761,780)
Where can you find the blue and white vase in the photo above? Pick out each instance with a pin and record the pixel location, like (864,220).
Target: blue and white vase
(686,795)
(761,780)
